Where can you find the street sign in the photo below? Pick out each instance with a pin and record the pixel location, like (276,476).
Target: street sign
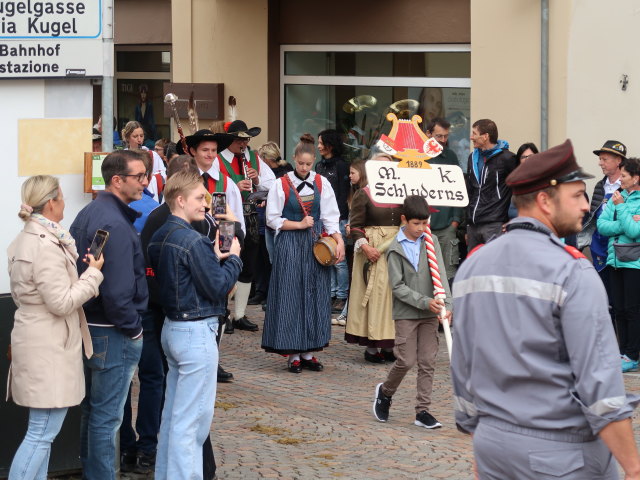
(50,38)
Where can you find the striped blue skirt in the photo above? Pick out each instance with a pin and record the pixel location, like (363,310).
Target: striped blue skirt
(298,317)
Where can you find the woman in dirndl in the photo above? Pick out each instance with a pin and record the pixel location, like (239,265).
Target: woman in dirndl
(369,321)
(298,318)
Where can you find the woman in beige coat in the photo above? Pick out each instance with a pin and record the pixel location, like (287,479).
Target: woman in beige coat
(46,372)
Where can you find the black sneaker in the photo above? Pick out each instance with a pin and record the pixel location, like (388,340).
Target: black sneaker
(426,420)
(381,405)
(146,463)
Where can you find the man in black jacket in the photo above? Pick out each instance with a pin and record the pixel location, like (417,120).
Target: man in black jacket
(489,197)
(336,170)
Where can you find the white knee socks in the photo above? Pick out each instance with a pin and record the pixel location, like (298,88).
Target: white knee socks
(241,299)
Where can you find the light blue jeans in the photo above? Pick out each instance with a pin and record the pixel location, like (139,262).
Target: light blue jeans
(192,355)
(340,271)
(31,461)
(107,376)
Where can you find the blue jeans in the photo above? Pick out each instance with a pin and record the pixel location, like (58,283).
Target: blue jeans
(192,354)
(107,375)
(31,461)
(151,376)
(340,271)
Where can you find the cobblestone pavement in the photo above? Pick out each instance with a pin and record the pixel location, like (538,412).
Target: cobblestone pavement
(270,423)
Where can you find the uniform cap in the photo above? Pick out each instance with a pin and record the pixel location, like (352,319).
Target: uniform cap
(613,146)
(547,169)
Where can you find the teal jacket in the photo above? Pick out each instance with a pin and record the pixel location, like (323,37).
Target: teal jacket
(617,223)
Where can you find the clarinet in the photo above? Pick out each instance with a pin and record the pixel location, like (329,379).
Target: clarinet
(245,166)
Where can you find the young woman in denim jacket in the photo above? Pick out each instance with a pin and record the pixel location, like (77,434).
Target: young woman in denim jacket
(193,287)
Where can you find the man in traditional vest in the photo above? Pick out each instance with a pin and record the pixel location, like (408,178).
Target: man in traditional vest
(204,146)
(250,174)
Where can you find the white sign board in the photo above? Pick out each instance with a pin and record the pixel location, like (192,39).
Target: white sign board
(440,185)
(50,38)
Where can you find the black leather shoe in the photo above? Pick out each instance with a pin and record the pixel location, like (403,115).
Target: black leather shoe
(313,364)
(257,299)
(295,367)
(388,356)
(224,376)
(245,324)
(373,357)
(228,326)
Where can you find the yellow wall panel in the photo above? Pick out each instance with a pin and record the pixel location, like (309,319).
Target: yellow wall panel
(53,146)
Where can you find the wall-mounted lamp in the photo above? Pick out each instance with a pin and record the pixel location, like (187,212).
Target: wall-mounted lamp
(624,82)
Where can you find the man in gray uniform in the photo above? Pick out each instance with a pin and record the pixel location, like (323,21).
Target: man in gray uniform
(535,365)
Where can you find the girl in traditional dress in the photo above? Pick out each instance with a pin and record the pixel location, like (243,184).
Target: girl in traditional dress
(298,318)
(372,226)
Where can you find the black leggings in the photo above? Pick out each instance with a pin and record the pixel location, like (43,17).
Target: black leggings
(626,303)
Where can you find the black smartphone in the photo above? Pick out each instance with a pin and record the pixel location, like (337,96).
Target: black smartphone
(219,203)
(98,243)
(227,232)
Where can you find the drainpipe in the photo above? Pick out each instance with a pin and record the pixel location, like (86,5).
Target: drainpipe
(107,79)
(544,76)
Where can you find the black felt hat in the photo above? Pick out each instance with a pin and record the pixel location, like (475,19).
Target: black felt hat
(222,139)
(239,129)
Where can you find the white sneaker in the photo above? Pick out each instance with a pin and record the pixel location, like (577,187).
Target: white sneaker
(342,320)
(334,321)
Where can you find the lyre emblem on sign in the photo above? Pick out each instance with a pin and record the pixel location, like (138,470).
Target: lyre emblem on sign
(408,143)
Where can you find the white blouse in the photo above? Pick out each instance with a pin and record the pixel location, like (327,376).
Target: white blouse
(329,212)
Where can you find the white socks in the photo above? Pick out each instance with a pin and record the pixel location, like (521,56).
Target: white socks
(306,356)
(243,290)
(293,358)
(372,351)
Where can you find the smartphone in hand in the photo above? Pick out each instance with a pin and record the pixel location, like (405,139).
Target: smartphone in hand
(98,243)
(227,232)
(219,203)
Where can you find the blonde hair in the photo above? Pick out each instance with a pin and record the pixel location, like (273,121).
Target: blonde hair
(271,150)
(128,130)
(36,192)
(180,184)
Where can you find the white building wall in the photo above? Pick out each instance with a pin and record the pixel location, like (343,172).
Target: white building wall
(36,99)
(603,46)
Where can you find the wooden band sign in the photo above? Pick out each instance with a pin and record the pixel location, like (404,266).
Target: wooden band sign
(440,185)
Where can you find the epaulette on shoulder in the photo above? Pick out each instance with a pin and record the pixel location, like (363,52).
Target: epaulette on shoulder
(574,252)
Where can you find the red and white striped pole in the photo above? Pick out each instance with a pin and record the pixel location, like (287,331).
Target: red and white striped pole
(438,289)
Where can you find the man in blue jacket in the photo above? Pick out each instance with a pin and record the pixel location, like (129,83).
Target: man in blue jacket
(114,316)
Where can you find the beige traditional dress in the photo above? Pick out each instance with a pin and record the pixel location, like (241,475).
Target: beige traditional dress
(369,320)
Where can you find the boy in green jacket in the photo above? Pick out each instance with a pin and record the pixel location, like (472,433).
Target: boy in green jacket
(415,312)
